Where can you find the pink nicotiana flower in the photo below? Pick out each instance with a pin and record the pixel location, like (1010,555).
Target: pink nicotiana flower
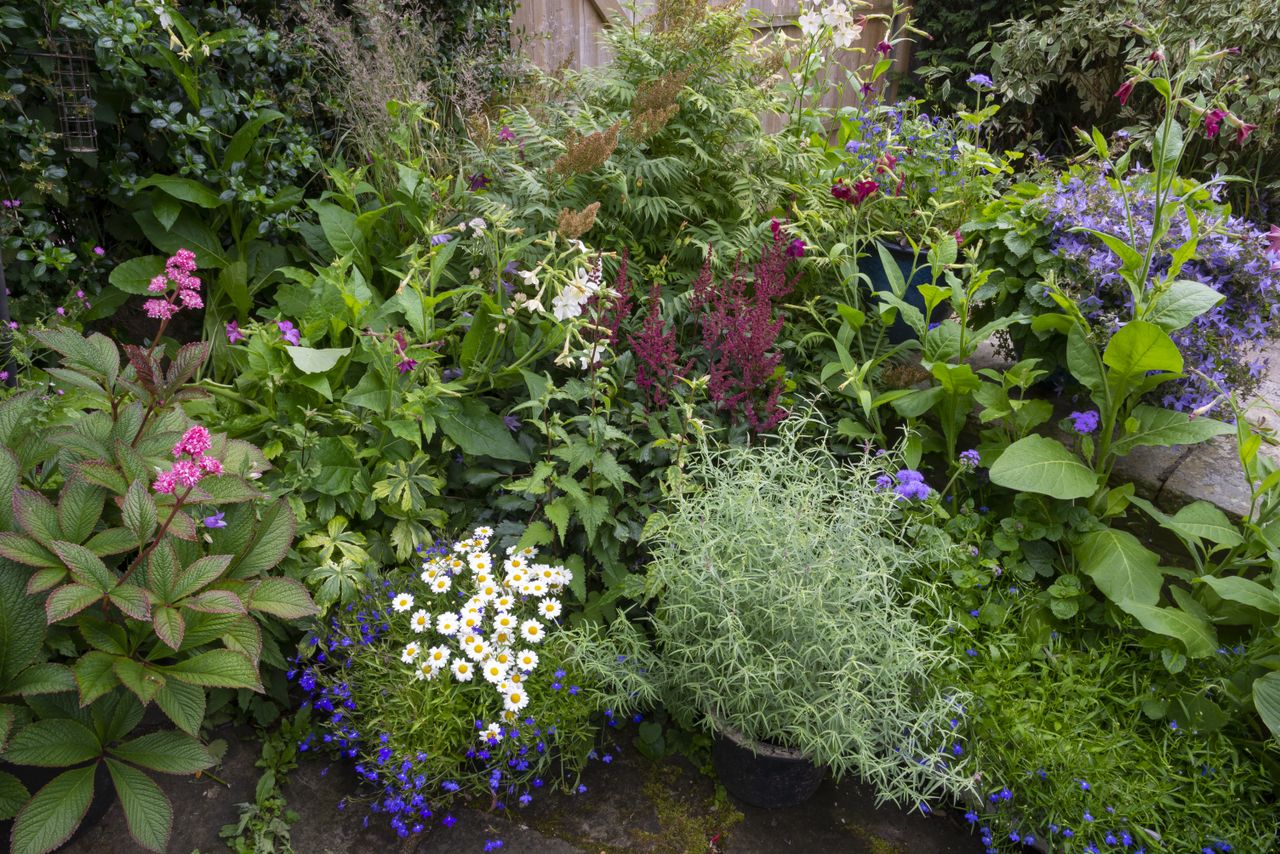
(233,333)
(1242,132)
(1125,90)
(289,332)
(1213,122)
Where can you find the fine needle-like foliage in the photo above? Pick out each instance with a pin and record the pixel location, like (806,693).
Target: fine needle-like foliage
(780,614)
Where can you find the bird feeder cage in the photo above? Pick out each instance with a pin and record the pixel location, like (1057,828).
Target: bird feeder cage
(75,100)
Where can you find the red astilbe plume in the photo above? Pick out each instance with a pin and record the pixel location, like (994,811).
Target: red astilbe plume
(657,361)
(739,329)
(622,304)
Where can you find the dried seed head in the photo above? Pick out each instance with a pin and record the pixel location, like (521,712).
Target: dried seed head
(572,225)
(585,153)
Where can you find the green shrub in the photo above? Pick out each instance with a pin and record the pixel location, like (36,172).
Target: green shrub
(780,615)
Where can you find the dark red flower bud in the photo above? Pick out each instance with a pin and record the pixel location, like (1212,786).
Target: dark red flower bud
(1125,90)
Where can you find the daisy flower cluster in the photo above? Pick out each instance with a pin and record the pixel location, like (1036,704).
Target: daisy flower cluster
(486,619)
(453,683)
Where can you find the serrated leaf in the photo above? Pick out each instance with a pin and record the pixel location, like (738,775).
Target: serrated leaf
(132,600)
(271,540)
(95,675)
(558,512)
(226,489)
(79,508)
(112,541)
(183,703)
(169,625)
(218,668)
(200,574)
(167,751)
(37,516)
(143,681)
(147,811)
(27,551)
(104,474)
(85,566)
(215,602)
(139,511)
(53,743)
(12,794)
(42,679)
(21,626)
(53,813)
(281,597)
(46,579)
(244,636)
(69,600)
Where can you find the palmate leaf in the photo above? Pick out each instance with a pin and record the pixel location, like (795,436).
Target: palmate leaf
(54,813)
(147,811)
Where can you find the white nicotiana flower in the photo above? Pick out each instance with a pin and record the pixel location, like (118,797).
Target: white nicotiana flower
(549,608)
(420,621)
(410,653)
(836,15)
(530,277)
(462,670)
(402,602)
(531,631)
(447,623)
(810,23)
(527,660)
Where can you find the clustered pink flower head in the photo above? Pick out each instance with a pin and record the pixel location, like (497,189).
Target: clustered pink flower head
(177,273)
(187,473)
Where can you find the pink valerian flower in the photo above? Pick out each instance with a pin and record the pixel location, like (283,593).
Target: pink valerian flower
(1125,90)
(99,251)
(289,332)
(739,329)
(1213,122)
(194,442)
(233,333)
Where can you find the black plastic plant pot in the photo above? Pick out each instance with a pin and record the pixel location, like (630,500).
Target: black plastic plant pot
(907,261)
(763,775)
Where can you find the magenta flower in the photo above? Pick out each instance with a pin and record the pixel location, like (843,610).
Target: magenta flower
(164,483)
(1213,122)
(1273,240)
(795,249)
(862,190)
(233,333)
(884,48)
(99,251)
(506,134)
(1125,90)
(289,333)
(841,191)
(194,442)
(406,365)
(160,309)
(1242,132)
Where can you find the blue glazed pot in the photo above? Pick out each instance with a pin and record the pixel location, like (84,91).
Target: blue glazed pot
(906,259)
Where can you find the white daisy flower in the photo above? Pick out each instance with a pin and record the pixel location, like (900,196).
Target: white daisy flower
(549,608)
(494,672)
(502,655)
(429,575)
(420,621)
(447,623)
(516,579)
(484,532)
(514,563)
(506,621)
(402,602)
(527,660)
(536,587)
(529,552)
(441,584)
(503,637)
(493,732)
(504,603)
(515,699)
(426,671)
(477,648)
(471,621)
(456,565)
(480,562)
(531,631)
(462,670)
(483,578)
(410,652)
(515,677)
(487,592)
(438,656)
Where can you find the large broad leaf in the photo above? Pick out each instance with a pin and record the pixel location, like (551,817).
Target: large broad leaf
(188,232)
(1266,699)
(21,624)
(312,361)
(146,809)
(53,743)
(49,818)
(85,566)
(1197,637)
(12,796)
(183,703)
(1042,465)
(1245,592)
(1140,347)
(1164,427)
(167,751)
(1202,520)
(478,431)
(281,597)
(134,275)
(200,574)
(1123,569)
(69,600)
(95,675)
(218,668)
(139,510)
(340,229)
(79,508)
(184,189)
(243,140)
(1182,303)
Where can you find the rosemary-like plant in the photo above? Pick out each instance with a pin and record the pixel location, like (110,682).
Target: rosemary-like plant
(780,614)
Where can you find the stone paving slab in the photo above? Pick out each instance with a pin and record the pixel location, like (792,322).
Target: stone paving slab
(631,805)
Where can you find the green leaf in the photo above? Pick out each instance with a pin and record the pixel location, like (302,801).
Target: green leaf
(112,541)
(146,809)
(85,566)
(1164,427)
(21,626)
(312,361)
(54,813)
(226,489)
(43,679)
(1182,303)
(480,432)
(139,510)
(1245,592)
(1123,569)
(1140,347)
(1197,637)
(37,516)
(79,508)
(183,189)
(1266,699)
(169,625)
(69,600)
(27,551)
(218,668)
(167,751)
(1201,519)
(53,743)
(95,675)
(200,574)
(132,600)
(241,143)
(183,703)
(12,795)
(281,597)
(339,227)
(189,232)
(558,512)
(1043,465)
(271,540)
(133,276)
(138,678)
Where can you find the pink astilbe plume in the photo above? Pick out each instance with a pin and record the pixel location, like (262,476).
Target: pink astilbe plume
(740,326)
(657,361)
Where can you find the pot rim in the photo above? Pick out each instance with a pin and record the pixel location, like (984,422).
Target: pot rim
(764,748)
